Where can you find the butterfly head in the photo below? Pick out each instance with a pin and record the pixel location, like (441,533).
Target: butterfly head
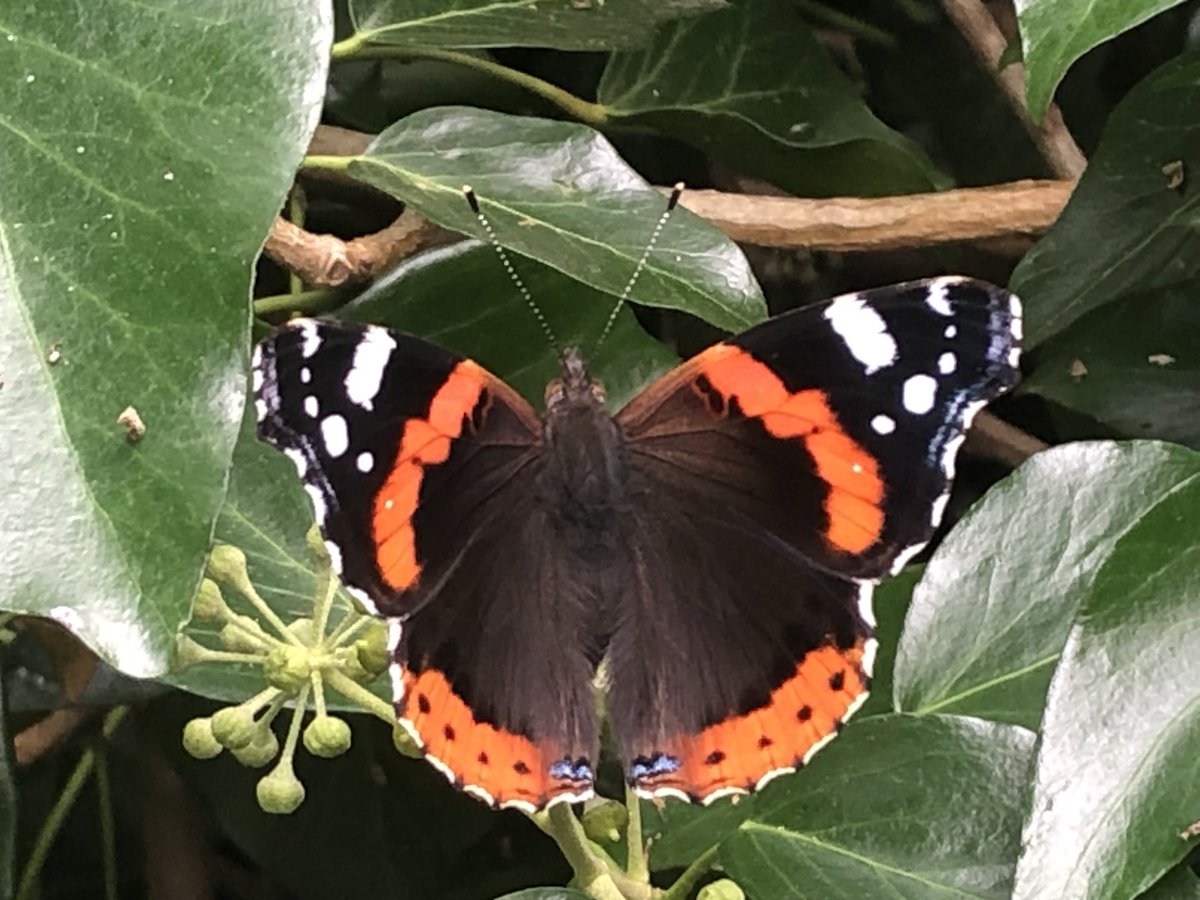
(575,387)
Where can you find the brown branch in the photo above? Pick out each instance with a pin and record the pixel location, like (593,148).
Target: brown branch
(993,438)
(885,223)
(322,260)
(843,224)
(1054,142)
(74,666)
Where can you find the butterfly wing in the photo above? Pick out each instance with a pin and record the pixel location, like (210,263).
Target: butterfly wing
(778,475)
(422,469)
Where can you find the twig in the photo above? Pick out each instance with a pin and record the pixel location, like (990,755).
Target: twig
(591,873)
(322,260)
(1054,142)
(844,224)
(992,437)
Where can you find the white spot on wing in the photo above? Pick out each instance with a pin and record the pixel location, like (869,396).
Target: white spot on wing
(936,298)
(260,408)
(311,406)
(336,435)
(951,332)
(318,502)
(256,376)
(919,394)
(306,374)
(310,337)
(947,363)
(863,331)
(870,648)
(370,360)
(866,611)
(938,509)
(365,462)
(298,460)
(883,424)
(769,777)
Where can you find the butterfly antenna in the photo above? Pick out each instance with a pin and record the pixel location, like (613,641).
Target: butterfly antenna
(473,201)
(672,202)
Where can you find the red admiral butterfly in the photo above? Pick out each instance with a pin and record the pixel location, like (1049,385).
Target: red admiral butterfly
(710,550)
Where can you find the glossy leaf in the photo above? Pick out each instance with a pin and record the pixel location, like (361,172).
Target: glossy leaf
(559,193)
(136,187)
(1126,229)
(899,806)
(1181,883)
(1131,365)
(546,893)
(752,85)
(988,621)
(1055,33)
(1118,776)
(561,24)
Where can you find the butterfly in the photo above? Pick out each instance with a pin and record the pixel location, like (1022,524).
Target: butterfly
(707,554)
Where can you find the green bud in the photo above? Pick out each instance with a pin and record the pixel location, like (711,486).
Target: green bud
(209,604)
(188,652)
(198,739)
(260,751)
(227,565)
(721,890)
(280,791)
(404,743)
(348,663)
(234,636)
(286,667)
(372,649)
(233,727)
(604,820)
(327,737)
(316,545)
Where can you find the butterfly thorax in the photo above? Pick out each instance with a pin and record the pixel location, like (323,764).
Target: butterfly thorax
(586,467)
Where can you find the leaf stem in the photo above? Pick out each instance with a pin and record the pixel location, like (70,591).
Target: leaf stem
(27,888)
(347,629)
(686,883)
(356,693)
(637,865)
(591,872)
(359,46)
(304,302)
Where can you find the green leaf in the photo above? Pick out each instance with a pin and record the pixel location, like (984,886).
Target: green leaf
(1118,776)
(988,621)
(561,24)
(559,193)
(1181,883)
(1125,228)
(1140,376)
(8,806)
(1055,33)
(546,893)
(461,297)
(752,85)
(137,188)
(899,806)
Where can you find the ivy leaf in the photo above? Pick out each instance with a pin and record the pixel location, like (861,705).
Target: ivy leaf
(1118,777)
(560,24)
(1140,374)
(752,85)
(1128,227)
(124,281)
(988,621)
(1055,33)
(559,193)
(833,830)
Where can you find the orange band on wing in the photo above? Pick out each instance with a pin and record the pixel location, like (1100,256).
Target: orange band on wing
(500,767)
(855,488)
(743,752)
(425,442)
